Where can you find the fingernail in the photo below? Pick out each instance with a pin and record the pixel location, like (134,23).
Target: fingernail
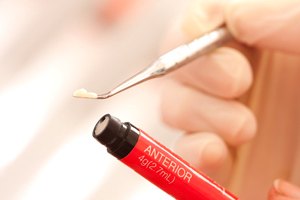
(285,188)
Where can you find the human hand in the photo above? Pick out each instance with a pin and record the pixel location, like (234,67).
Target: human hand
(282,190)
(202,98)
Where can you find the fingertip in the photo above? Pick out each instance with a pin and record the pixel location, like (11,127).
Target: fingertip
(205,151)
(232,19)
(285,189)
(185,108)
(245,128)
(248,129)
(235,71)
(214,155)
(242,20)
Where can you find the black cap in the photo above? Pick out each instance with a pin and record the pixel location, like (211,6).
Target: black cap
(118,137)
(107,128)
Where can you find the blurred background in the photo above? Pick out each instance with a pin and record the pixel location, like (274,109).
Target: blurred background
(48,49)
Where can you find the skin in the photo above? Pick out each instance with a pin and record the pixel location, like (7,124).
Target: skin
(239,105)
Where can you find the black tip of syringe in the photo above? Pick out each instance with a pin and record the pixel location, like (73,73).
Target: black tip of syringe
(107,129)
(118,137)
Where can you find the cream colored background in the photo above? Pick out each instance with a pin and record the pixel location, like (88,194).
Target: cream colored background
(47,50)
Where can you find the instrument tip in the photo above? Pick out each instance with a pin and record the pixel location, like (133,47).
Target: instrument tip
(83,93)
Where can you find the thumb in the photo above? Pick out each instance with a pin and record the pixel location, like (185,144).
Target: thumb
(267,24)
(283,190)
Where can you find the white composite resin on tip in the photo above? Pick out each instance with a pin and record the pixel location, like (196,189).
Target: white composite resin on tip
(83,93)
